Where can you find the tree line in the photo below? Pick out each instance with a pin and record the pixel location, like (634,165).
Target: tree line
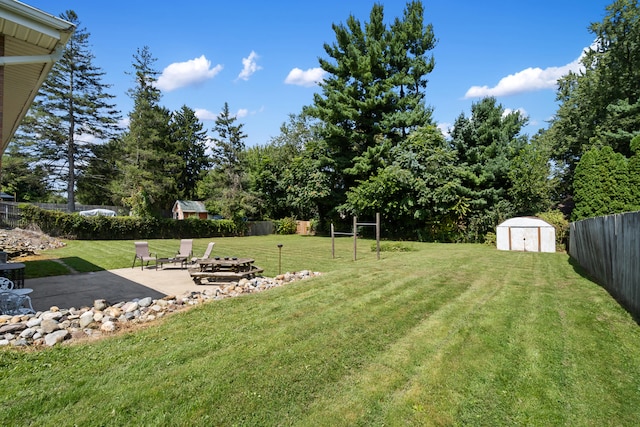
(366,144)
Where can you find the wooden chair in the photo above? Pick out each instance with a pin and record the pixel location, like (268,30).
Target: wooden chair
(143,254)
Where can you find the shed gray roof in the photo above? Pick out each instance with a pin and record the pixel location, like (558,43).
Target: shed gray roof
(190,206)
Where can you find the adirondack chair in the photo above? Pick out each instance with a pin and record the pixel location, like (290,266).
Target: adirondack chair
(143,254)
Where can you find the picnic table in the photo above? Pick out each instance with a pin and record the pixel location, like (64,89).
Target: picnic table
(221,270)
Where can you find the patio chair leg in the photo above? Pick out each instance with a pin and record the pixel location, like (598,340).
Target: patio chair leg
(27,304)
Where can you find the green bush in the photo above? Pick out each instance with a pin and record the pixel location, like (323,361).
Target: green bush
(74,226)
(559,222)
(490,239)
(286,226)
(601,184)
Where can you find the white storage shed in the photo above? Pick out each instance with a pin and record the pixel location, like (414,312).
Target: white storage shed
(528,234)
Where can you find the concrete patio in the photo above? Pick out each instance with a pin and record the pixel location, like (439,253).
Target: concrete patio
(123,284)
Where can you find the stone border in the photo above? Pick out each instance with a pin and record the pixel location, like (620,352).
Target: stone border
(56,325)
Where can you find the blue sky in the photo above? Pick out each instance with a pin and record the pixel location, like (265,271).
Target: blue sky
(262,57)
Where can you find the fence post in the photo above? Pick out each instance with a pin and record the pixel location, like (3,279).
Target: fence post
(378,235)
(333,243)
(355,237)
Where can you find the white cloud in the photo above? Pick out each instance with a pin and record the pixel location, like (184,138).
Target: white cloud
(444,129)
(203,114)
(86,138)
(124,123)
(307,78)
(520,110)
(250,66)
(181,74)
(527,80)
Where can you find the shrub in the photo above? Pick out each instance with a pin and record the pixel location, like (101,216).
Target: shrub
(490,239)
(559,222)
(313,225)
(286,226)
(74,226)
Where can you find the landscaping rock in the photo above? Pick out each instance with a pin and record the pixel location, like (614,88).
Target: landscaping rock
(55,337)
(18,242)
(49,325)
(11,328)
(57,324)
(100,304)
(108,326)
(145,302)
(86,319)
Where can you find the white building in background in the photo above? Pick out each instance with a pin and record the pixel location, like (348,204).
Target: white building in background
(527,234)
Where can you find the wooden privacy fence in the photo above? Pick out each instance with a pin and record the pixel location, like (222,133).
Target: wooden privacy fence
(260,228)
(608,248)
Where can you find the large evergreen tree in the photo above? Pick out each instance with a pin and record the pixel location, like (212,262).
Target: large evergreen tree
(190,143)
(71,111)
(146,182)
(487,142)
(374,89)
(226,186)
(229,146)
(601,184)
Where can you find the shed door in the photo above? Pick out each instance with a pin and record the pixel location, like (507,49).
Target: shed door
(525,239)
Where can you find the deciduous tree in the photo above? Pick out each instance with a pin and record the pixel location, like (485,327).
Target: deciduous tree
(532,185)
(23,177)
(599,105)
(416,187)
(282,172)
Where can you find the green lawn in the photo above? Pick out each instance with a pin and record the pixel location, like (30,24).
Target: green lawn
(441,335)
